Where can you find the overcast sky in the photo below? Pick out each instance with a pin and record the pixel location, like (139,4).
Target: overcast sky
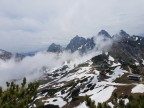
(27,25)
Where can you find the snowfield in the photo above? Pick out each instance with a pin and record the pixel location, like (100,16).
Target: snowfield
(103,95)
(117,72)
(139,88)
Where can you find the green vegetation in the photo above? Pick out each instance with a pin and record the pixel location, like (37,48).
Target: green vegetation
(91,104)
(134,102)
(83,65)
(15,96)
(124,79)
(75,102)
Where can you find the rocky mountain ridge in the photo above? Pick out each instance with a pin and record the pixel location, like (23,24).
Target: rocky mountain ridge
(100,78)
(84,45)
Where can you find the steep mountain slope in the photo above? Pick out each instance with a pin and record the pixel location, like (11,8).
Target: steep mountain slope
(76,43)
(129,51)
(81,44)
(99,78)
(96,78)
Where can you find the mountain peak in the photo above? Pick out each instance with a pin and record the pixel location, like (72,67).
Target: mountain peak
(123,33)
(53,44)
(76,43)
(54,48)
(104,33)
(77,37)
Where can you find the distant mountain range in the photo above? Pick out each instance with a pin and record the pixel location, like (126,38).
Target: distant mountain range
(83,45)
(78,43)
(121,40)
(5,55)
(124,47)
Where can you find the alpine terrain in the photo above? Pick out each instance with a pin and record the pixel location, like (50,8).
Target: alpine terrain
(111,78)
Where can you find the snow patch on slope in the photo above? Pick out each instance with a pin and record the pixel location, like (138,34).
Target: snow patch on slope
(117,72)
(111,58)
(138,89)
(103,95)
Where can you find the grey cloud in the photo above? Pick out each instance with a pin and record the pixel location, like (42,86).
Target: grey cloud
(31,24)
(30,67)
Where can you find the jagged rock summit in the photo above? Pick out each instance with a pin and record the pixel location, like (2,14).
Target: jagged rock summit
(76,43)
(55,48)
(104,33)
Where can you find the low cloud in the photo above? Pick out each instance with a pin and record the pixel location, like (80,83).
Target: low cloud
(30,67)
(103,43)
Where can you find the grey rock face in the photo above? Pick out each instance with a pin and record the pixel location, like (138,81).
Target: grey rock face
(76,43)
(55,48)
(81,44)
(123,33)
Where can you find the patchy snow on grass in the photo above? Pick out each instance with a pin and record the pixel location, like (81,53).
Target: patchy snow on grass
(103,95)
(126,101)
(55,101)
(115,64)
(137,64)
(100,86)
(89,62)
(39,97)
(142,61)
(138,89)
(106,53)
(136,38)
(59,94)
(96,90)
(117,72)
(110,104)
(79,74)
(82,105)
(111,58)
